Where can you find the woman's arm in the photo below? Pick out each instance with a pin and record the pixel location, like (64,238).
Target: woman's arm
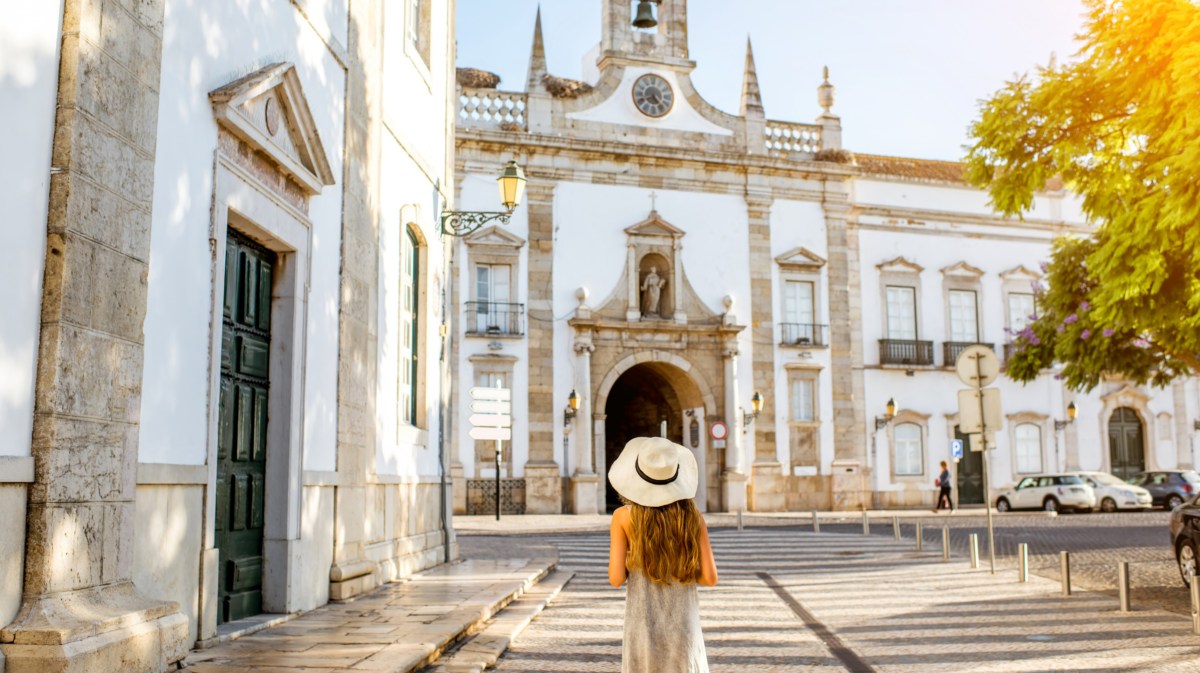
(618,547)
(708,564)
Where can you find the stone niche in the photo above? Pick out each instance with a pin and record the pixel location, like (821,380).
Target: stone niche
(653,287)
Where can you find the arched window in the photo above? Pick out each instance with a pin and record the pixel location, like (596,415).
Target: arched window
(409,347)
(1028,451)
(909,449)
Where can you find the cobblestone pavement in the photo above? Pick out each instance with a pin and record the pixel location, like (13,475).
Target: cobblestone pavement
(790,600)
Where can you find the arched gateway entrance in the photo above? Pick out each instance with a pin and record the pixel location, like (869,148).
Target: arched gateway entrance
(641,400)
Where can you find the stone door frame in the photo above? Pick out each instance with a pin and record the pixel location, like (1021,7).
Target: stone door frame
(243,202)
(708,409)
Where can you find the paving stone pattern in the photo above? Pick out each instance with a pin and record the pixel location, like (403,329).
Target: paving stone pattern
(899,610)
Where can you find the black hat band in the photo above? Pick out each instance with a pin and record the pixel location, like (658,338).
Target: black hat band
(656,482)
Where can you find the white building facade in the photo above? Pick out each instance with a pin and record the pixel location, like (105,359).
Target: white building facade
(673,260)
(224,366)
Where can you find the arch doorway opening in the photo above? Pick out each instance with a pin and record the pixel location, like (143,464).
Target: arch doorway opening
(650,400)
(970,472)
(1126,443)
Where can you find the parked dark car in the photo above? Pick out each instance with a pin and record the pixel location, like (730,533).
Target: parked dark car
(1169,488)
(1185,538)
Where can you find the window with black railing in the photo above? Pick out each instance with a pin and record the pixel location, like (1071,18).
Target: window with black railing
(495,318)
(905,352)
(801,334)
(952,349)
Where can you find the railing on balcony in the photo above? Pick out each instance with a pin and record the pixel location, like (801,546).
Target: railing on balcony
(491,109)
(905,352)
(952,349)
(786,138)
(494,318)
(800,334)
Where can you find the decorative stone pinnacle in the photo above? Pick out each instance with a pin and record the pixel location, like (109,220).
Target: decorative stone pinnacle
(537,56)
(825,92)
(751,94)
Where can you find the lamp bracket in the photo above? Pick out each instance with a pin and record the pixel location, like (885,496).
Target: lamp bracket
(1059,426)
(466,222)
(881,422)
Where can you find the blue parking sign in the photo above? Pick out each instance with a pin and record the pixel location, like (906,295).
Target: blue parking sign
(956,449)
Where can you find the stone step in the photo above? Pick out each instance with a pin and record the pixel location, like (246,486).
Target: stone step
(482,650)
(399,628)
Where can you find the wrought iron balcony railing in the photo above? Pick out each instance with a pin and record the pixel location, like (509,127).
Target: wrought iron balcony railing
(493,318)
(952,349)
(905,352)
(801,334)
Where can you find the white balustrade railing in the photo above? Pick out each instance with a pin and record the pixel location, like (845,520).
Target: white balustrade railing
(488,108)
(785,138)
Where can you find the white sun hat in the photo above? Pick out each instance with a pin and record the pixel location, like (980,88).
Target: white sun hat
(654,471)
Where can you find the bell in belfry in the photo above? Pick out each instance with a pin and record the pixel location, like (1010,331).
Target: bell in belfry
(645,15)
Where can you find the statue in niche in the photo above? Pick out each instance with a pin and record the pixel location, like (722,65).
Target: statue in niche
(652,293)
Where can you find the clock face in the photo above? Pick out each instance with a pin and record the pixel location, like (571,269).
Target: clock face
(653,96)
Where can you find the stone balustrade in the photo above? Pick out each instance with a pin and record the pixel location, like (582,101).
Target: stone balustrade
(783,138)
(491,109)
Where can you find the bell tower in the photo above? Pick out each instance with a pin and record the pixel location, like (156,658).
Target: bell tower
(664,43)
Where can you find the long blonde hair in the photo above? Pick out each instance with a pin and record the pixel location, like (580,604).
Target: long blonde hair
(664,542)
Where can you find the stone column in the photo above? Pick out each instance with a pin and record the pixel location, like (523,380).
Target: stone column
(585,481)
(766,482)
(733,480)
(543,481)
(81,611)
(633,312)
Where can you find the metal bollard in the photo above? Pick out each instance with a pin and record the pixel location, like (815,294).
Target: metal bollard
(896,527)
(1123,586)
(974,551)
(945,543)
(816,522)
(1022,562)
(918,536)
(1195,591)
(739,520)
(1064,569)
(866,524)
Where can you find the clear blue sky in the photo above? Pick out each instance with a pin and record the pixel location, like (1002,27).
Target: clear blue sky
(909,73)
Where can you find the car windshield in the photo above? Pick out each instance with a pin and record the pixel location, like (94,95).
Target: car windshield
(1070,480)
(1106,479)
(1190,477)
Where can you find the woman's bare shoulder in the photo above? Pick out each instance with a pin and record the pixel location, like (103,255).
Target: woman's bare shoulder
(621,513)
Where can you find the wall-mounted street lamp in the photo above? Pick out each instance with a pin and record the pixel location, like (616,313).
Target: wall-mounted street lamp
(889,413)
(1059,426)
(1196,424)
(645,15)
(512,189)
(756,404)
(572,408)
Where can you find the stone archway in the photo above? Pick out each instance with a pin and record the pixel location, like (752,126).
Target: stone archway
(636,397)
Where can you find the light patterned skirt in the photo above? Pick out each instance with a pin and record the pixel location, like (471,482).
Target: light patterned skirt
(662,628)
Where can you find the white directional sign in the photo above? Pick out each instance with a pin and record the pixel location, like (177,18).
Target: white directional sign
(968,410)
(491,393)
(977,366)
(491,420)
(977,441)
(491,433)
(491,407)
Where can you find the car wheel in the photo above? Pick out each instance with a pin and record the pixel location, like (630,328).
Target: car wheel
(1050,505)
(1108,505)
(1185,555)
(1174,501)
(1002,505)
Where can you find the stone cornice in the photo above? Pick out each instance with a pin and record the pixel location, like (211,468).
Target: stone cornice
(919,215)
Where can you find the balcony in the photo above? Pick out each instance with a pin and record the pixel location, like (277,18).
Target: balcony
(493,318)
(905,352)
(952,349)
(800,334)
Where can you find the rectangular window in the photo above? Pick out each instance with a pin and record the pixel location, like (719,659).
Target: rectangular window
(798,302)
(901,312)
(909,449)
(1029,448)
(964,318)
(409,328)
(417,28)
(492,294)
(1020,308)
(802,401)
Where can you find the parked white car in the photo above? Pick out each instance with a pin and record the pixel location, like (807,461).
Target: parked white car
(1113,494)
(1049,492)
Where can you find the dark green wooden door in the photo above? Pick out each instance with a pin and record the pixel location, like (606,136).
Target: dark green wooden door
(242,437)
(970,473)
(1126,443)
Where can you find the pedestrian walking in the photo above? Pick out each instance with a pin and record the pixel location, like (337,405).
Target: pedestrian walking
(659,544)
(943,484)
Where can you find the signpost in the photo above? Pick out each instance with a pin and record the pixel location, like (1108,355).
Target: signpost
(979,414)
(718,432)
(491,418)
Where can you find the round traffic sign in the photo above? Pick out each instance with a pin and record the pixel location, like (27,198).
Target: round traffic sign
(977,366)
(718,430)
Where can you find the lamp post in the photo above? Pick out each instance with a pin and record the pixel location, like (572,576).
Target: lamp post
(1060,426)
(756,405)
(512,188)
(571,409)
(881,422)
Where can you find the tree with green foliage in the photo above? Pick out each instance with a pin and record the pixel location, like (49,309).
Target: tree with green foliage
(1119,124)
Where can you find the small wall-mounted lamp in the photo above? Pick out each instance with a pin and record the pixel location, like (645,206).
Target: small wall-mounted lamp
(1196,424)
(1059,426)
(572,408)
(512,188)
(756,404)
(889,413)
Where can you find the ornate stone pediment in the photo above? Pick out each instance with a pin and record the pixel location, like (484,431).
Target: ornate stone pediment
(495,237)
(655,225)
(899,265)
(1020,273)
(962,270)
(800,258)
(1127,395)
(267,110)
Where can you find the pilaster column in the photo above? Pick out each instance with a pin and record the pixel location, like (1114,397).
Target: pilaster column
(633,311)
(543,480)
(734,478)
(762,324)
(81,611)
(845,334)
(583,420)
